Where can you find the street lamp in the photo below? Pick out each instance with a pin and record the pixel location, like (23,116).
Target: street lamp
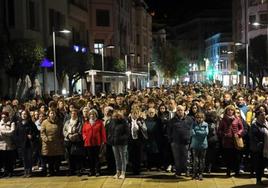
(102,63)
(148,75)
(128,72)
(54,55)
(257,24)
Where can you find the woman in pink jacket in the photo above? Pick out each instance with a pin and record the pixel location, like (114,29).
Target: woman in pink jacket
(94,137)
(229,126)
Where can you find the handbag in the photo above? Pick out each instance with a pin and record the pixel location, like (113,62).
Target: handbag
(238,142)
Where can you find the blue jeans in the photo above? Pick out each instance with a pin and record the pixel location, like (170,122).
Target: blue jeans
(120,155)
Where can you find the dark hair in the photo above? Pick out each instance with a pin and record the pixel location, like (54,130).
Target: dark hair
(258,109)
(5,113)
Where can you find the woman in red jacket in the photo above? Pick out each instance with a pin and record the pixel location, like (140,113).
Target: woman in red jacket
(94,137)
(229,126)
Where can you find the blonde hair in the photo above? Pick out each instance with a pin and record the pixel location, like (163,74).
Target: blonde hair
(229,107)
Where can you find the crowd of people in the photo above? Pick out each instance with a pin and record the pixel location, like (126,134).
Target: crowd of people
(185,129)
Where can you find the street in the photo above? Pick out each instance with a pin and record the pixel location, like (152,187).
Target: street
(147,179)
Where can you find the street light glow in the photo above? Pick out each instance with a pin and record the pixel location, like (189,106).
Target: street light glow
(65,31)
(109,46)
(238,44)
(256,24)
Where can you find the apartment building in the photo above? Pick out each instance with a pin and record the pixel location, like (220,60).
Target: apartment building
(219,60)
(190,38)
(126,24)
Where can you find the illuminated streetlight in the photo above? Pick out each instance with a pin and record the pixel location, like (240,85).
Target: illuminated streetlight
(65,31)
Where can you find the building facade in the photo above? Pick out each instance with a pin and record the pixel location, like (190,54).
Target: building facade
(191,36)
(250,19)
(219,60)
(94,24)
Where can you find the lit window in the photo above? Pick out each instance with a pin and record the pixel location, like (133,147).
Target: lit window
(98,47)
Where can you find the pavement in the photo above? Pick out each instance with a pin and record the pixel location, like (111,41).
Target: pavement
(146,180)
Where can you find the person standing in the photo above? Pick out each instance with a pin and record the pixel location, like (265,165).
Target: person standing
(94,136)
(7,145)
(229,127)
(199,145)
(138,134)
(73,143)
(52,142)
(118,135)
(259,142)
(25,135)
(179,134)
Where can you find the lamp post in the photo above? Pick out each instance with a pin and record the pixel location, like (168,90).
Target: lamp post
(148,75)
(128,72)
(54,55)
(102,63)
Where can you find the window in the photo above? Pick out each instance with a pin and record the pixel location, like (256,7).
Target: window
(32,15)
(98,47)
(103,18)
(264,18)
(11,13)
(252,18)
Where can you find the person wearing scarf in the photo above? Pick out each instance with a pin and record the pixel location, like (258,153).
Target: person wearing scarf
(138,134)
(73,143)
(229,126)
(259,142)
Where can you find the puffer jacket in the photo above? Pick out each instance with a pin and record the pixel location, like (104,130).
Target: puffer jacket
(52,138)
(118,132)
(93,135)
(228,127)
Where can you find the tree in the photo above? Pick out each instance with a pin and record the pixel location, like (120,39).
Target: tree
(24,57)
(5,56)
(257,61)
(171,62)
(70,63)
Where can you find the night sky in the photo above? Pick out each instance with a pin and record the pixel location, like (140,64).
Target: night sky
(178,11)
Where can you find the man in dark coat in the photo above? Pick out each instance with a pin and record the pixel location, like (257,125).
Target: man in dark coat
(179,134)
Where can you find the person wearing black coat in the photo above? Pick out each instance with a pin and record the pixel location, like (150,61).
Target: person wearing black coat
(118,135)
(179,134)
(25,136)
(152,144)
(213,141)
(165,148)
(258,132)
(138,134)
